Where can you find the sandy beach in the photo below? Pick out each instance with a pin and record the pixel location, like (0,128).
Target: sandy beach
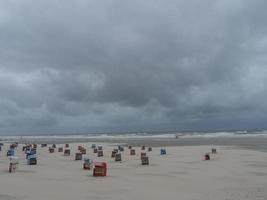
(231,174)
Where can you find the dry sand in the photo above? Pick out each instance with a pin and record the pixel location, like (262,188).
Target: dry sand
(232,174)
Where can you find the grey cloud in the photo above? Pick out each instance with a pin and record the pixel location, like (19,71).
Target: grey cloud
(132,65)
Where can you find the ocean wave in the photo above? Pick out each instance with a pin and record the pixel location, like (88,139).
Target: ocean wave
(144,135)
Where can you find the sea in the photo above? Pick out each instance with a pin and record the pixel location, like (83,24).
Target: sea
(146,135)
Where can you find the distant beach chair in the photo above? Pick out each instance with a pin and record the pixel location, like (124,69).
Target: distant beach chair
(83,151)
(95,150)
(51,150)
(163,152)
(60,149)
(100,169)
(54,146)
(143,154)
(99,148)
(132,152)
(32,160)
(118,157)
(207,156)
(10,152)
(67,152)
(144,160)
(93,146)
(43,145)
(67,145)
(78,156)
(87,165)
(113,153)
(149,148)
(120,148)
(213,151)
(129,147)
(143,147)
(100,153)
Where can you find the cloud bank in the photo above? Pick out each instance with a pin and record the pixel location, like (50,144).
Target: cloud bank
(93,66)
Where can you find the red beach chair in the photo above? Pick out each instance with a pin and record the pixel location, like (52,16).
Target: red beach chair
(100,169)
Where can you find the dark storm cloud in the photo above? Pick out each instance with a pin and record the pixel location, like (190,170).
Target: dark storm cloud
(89,66)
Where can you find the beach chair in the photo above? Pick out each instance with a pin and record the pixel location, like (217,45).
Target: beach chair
(116,150)
(129,147)
(32,160)
(67,152)
(60,149)
(100,169)
(100,153)
(24,148)
(13,164)
(51,150)
(149,149)
(113,153)
(54,146)
(144,160)
(78,156)
(120,148)
(10,152)
(162,151)
(83,151)
(34,146)
(33,151)
(93,146)
(143,154)
(95,150)
(67,145)
(43,145)
(132,152)
(87,164)
(143,147)
(99,148)
(213,151)
(118,157)
(207,156)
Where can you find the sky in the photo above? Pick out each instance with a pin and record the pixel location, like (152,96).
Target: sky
(129,66)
